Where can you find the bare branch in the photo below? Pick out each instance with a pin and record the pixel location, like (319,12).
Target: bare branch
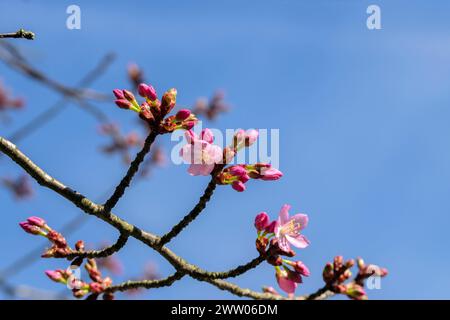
(192,214)
(108,251)
(134,167)
(21,33)
(147,284)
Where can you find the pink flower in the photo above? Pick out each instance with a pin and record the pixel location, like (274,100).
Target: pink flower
(287,229)
(262,220)
(287,280)
(201,153)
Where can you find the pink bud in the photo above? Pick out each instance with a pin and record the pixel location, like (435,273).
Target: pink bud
(250,137)
(239,138)
(36,221)
(183,114)
(262,220)
(29,228)
(271,227)
(188,125)
(122,103)
(147,91)
(128,95)
(270,290)
(238,186)
(301,268)
(238,170)
(207,135)
(54,275)
(271,174)
(118,93)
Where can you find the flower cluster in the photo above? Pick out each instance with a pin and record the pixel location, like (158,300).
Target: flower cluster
(336,273)
(154,111)
(38,226)
(275,239)
(204,156)
(238,175)
(79,288)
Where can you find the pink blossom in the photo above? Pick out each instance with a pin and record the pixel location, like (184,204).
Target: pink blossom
(183,114)
(55,275)
(287,229)
(201,153)
(287,281)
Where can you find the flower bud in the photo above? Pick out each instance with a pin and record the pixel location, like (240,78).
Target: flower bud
(147,91)
(123,104)
(250,137)
(119,94)
(95,287)
(36,221)
(128,95)
(271,227)
(270,290)
(183,114)
(55,275)
(32,229)
(262,220)
(238,186)
(168,101)
(271,174)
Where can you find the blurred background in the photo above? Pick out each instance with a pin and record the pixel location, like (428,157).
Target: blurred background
(363,118)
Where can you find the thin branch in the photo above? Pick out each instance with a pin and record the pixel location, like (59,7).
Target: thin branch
(39,76)
(191,215)
(106,252)
(147,284)
(44,117)
(21,33)
(134,167)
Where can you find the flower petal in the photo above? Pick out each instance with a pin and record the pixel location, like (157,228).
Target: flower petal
(286,285)
(302,219)
(196,169)
(284,214)
(300,241)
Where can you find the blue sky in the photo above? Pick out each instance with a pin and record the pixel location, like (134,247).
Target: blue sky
(363,119)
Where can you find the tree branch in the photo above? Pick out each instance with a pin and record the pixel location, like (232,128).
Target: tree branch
(134,167)
(191,215)
(147,284)
(21,33)
(121,241)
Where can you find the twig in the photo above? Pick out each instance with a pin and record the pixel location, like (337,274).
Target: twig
(147,284)
(21,33)
(191,215)
(134,167)
(39,76)
(44,117)
(106,252)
